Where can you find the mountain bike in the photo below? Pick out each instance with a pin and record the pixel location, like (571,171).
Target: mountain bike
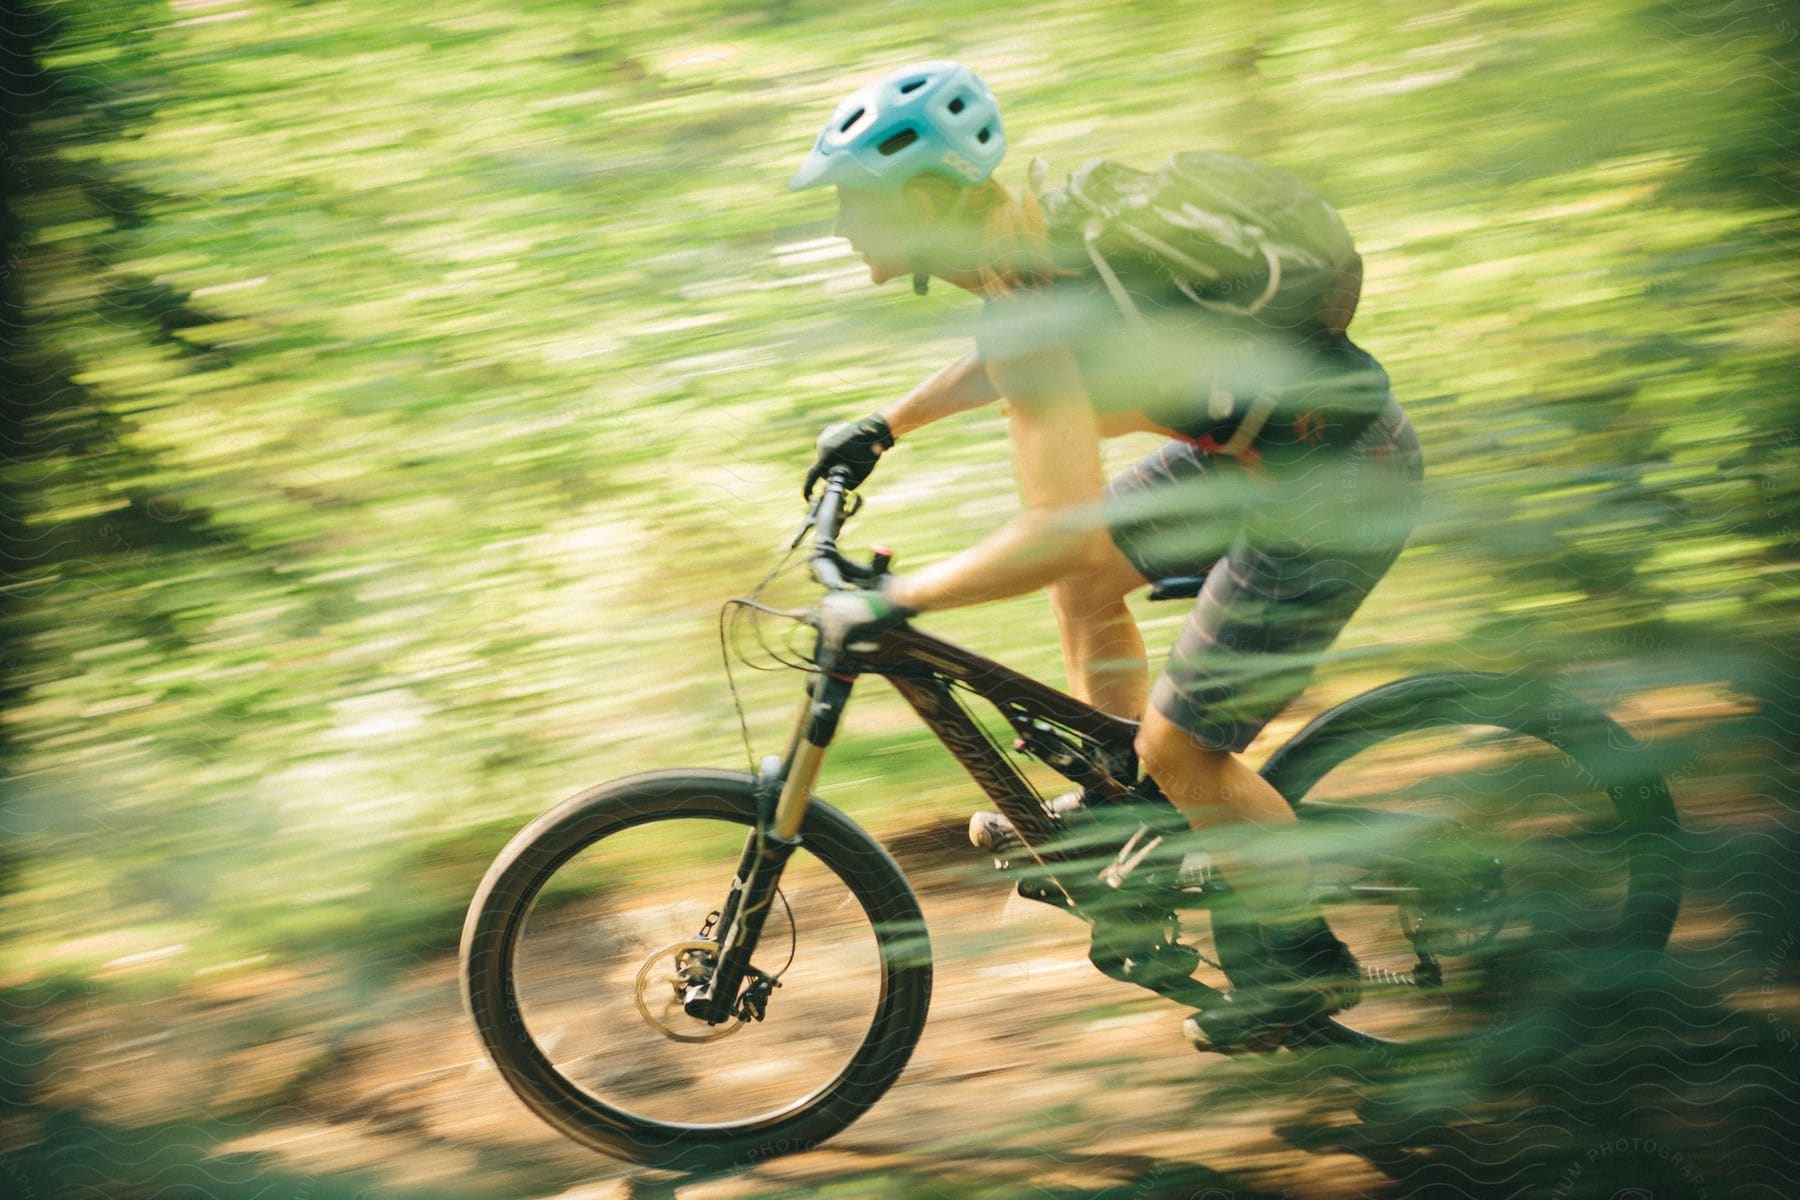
(703,967)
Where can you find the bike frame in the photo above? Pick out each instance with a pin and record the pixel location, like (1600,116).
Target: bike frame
(1060,730)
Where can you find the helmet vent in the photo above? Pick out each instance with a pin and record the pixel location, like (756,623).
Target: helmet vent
(911,85)
(957,105)
(852,119)
(899,142)
(984,135)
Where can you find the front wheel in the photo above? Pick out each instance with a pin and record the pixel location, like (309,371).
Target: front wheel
(587,928)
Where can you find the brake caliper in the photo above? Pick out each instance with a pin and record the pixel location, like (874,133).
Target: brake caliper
(753,1005)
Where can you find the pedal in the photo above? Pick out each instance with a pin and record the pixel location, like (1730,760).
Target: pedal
(1139,947)
(992,832)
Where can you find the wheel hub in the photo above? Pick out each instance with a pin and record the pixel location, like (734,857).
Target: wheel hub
(687,959)
(1456,919)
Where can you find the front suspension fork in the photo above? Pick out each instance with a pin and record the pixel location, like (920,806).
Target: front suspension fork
(784,789)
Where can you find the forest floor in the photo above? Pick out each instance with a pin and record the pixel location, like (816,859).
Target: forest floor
(1035,1075)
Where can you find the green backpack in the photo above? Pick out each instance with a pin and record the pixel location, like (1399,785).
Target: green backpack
(1232,235)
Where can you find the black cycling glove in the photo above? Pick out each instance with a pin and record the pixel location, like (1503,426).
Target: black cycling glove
(851,444)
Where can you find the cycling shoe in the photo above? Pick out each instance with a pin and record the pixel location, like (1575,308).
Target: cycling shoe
(1301,972)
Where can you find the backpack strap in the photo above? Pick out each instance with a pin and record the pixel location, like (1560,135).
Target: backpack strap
(1256,305)
(1157,246)
(1091,230)
(1089,237)
(1258,415)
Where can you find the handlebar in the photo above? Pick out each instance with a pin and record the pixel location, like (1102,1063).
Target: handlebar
(829,566)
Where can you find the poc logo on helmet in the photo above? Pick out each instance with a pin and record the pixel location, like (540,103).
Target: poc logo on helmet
(962,166)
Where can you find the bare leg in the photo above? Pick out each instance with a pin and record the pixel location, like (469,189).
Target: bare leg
(1216,791)
(1219,793)
(1103,649)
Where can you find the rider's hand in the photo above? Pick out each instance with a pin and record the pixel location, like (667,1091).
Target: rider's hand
(861,612)
(854,445)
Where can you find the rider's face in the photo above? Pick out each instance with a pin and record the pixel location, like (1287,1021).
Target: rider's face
(876,225)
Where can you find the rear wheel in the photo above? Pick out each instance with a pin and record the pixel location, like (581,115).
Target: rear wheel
(1549,839)
(585,930)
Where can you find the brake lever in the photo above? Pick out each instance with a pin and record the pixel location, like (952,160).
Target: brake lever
(806,523)
(853,502)
(851,570)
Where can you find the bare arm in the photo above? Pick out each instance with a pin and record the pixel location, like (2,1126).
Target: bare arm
(957,388)
(1056,444)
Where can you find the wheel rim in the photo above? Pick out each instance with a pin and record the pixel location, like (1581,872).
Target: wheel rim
(595,960)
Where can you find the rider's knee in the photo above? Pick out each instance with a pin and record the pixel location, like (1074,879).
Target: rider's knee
(1163,746)
(1094,590)
(1078,599)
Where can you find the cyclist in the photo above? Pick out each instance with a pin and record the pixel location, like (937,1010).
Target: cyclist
(1274,437)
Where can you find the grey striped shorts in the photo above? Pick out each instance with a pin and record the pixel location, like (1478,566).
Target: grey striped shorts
(1282,579)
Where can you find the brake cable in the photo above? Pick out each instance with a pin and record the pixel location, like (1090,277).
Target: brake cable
(852,503)
(730,606)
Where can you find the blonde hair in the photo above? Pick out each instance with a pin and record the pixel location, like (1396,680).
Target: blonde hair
(1015,246)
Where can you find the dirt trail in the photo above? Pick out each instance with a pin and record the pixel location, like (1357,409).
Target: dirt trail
(1036,1075)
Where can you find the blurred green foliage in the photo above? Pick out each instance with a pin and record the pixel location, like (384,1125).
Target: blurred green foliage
(399,390)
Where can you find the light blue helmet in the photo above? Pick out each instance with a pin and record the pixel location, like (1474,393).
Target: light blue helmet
(930,116)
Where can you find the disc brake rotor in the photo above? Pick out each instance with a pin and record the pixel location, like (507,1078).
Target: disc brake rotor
(676,980)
